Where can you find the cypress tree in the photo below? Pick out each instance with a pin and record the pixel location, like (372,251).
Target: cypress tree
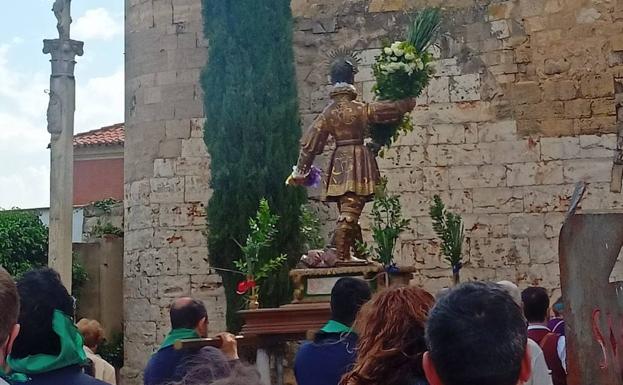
(252,130)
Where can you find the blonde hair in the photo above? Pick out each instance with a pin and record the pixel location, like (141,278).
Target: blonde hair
(92,332)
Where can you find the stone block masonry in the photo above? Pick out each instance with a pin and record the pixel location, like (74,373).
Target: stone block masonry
(167,175)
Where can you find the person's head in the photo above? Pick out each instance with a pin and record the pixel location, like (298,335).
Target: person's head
(558,307)
(205,367)
(347,297)
(240,375)
(189,313)
(343,70)
(535,304)
(9,303)
(391,337)
(476,334)
(41,292)
(512,290)
(92,333)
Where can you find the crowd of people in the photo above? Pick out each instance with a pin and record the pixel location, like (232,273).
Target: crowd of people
(478,333)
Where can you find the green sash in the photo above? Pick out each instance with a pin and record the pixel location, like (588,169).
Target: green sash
(178,334)
(335,327)
(72,352)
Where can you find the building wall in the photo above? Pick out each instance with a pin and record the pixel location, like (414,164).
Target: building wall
(166,175)
(100,297)
(97,179)
(522,107)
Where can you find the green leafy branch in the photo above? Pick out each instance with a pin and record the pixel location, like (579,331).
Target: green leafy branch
(424,28)
(449,228)
(310,229)
(387,225)
(256,262)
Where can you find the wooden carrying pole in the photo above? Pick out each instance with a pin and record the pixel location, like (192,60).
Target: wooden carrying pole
(198,343)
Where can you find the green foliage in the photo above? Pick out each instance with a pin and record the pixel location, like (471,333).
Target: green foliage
(252,132)
(387,225)
(79,278)
(112,351)
(424,28)
(449,228)
(385,134)
(23,241)
(257,260)
(24,246)
(311,230)
(100,229)
(106,205)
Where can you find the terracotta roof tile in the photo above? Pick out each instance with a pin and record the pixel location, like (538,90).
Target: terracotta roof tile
(105,136)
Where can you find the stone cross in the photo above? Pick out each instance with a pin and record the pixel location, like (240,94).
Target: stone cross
(60,116)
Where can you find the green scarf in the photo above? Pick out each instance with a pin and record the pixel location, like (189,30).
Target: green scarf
(13,377)
(178,334)
(72,352)
(335,327)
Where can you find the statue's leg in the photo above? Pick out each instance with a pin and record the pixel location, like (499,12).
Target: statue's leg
(348,228)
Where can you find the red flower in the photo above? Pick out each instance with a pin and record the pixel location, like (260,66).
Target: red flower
(245,286)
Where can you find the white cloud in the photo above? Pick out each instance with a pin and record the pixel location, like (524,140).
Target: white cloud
(24,175)
(97,24)
(100,101)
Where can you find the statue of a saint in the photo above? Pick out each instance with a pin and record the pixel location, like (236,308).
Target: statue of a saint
(353,173)
(61,10)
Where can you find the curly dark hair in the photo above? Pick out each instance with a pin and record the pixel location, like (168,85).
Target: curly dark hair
(40,292)
(391,337)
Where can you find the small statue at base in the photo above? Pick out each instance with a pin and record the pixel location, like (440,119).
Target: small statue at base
(353,172)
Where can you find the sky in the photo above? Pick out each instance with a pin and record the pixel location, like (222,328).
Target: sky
(24,78)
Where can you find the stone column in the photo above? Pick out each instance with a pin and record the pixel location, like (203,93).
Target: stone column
(61,111)
(167,175)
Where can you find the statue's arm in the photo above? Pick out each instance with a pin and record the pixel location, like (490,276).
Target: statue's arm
(385,112)
(312,144)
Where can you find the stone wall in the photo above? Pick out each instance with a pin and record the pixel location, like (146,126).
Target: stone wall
(166,175)
(522,106)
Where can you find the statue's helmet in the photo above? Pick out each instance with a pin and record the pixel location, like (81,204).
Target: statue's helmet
(344,64)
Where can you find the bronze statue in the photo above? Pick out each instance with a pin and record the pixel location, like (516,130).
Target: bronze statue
(353,173)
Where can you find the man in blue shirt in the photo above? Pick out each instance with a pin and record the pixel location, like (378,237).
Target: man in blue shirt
(333,351)
(189,319)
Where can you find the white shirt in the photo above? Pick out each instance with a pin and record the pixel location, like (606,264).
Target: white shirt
(2,382)
(103,370)
(540,372)
(561,347)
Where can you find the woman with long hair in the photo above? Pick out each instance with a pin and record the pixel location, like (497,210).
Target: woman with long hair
(391,338)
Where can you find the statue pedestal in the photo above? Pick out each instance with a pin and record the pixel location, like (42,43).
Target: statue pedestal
(309,311)
(314,285)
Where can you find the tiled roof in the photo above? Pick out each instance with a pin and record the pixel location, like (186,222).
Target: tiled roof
(105,136)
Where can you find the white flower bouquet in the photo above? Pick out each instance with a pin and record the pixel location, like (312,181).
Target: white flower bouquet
(403,70)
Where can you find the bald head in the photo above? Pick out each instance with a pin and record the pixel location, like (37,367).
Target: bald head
(187,313)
